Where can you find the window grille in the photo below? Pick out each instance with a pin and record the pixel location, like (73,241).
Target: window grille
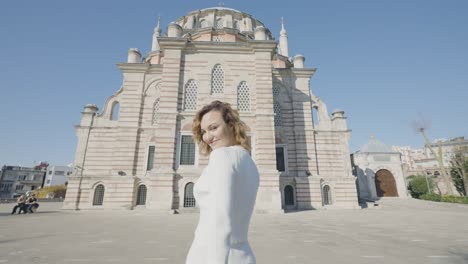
(189,199)
(98,195)
(243,97)
(280,160)
(155,110)
(217,80)
(217,39)
(190,96)
(288,195)
(276,106)
(141,195)
(219,24)
(150,161)
(327,199)
(277,110)
(187,151)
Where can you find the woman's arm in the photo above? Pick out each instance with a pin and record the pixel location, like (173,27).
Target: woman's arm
(222,173)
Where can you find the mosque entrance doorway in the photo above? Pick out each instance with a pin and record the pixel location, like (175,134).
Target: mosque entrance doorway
(385,184)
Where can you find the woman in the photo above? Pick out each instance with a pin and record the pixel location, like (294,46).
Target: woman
(226,190)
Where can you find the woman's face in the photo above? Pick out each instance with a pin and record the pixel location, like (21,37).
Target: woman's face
(216,133)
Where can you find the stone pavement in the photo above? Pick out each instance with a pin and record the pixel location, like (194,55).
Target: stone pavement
(407,231)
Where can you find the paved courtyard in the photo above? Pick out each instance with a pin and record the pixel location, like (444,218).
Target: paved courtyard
(410,231)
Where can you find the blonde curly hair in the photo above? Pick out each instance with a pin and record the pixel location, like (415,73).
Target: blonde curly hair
(230,117)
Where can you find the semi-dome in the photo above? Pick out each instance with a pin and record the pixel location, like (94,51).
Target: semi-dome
(220,19)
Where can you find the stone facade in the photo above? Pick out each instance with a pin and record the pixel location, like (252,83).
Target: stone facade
(137,151)
(379,172)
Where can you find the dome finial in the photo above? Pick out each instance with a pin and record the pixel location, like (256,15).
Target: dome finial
(221,4)
(157,29)
(159,22)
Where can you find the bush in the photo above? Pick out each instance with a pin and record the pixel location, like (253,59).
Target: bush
(418,186)
(454,199)
(57,191)
(431,197)
(444,198)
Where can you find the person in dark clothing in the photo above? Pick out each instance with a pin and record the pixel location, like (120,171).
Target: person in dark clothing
(31,202)
(20,204)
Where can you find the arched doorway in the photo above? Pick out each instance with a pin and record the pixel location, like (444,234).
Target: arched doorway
(385,184)
(288,195)
(189,199)
(141,195)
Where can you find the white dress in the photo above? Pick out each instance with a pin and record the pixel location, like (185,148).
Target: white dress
(225,193)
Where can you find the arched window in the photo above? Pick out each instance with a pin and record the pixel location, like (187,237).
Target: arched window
(236,24)
(155,111)
(141,195)
(98,195)
(115,111)
(190,95)
(327,198)
(189,199)
(217,80)
(288,195)
(276,106)
(203,23)
(219,23)
(194,22)
(243,97)
(315,115)
(150,160)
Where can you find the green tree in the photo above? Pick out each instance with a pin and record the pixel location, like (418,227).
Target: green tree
(418,185)
(458,181)
(421,126)
(460,168)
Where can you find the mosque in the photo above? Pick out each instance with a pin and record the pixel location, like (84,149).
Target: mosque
(137,152)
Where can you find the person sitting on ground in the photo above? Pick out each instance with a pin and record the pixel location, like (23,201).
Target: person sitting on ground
(32,203)
(20,202)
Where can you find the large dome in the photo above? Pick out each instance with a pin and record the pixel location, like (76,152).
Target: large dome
(220,19)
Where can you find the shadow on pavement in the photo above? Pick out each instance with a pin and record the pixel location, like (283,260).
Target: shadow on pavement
(36,213)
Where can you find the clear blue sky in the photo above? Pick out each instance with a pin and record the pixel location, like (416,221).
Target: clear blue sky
(383,62)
